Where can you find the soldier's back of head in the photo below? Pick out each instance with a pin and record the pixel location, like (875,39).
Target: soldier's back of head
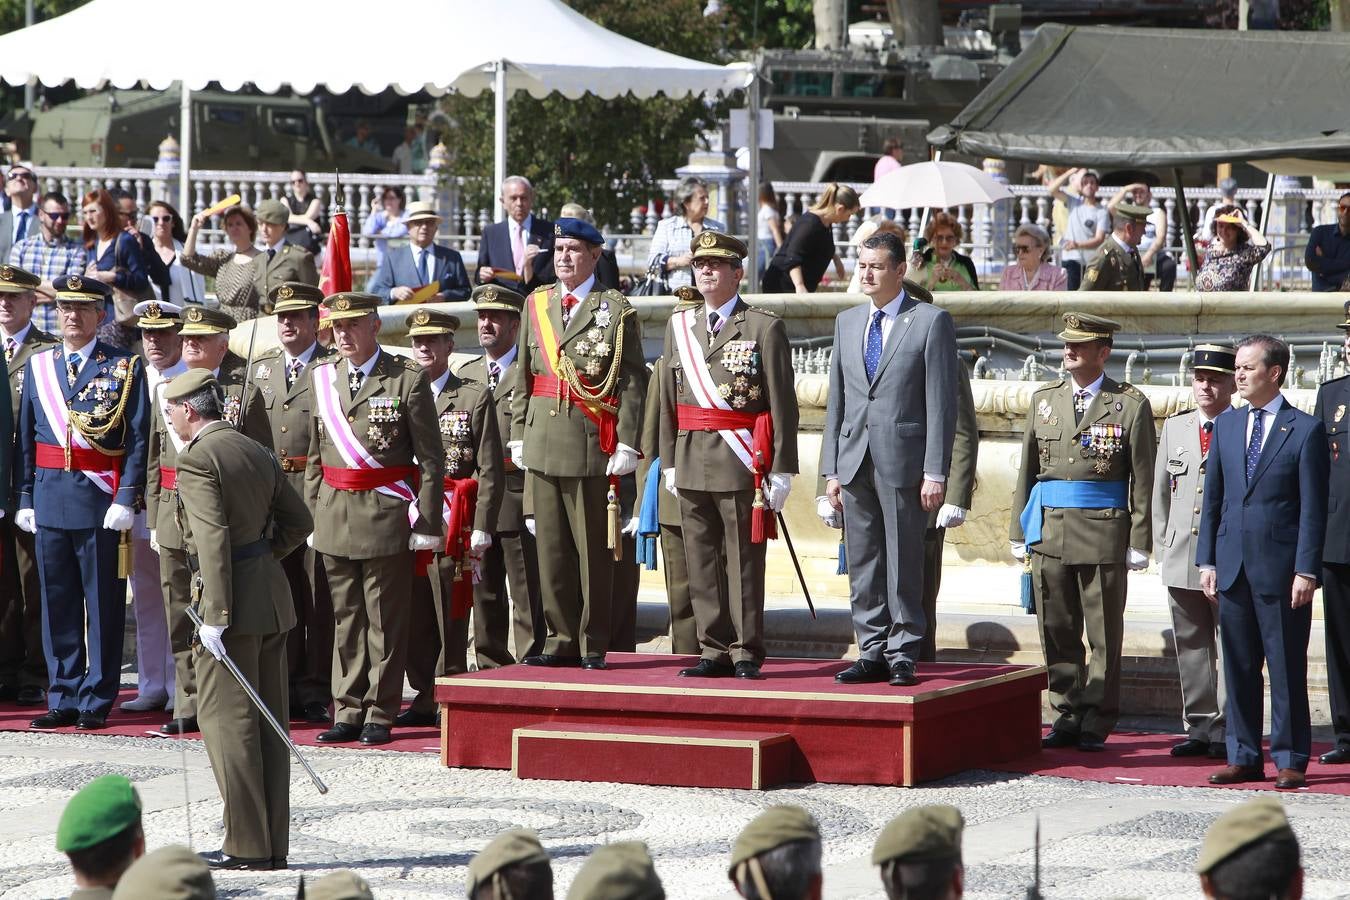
(919,853)
(514,866)
(778,856)
(100,830)
(1251,853)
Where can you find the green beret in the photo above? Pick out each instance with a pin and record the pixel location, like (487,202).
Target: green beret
(1260,818)
(513,847)
(190,382)
(274,212)
(1081,327)
(619,871)
(341,885)
(776,826)
(169,873)
(921,834)
(103,808)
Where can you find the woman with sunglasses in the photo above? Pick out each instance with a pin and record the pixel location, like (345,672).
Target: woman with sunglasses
(305,226)
(1239,247)
(232,266)
(1031,269)
(112,256)
(167,237)
(939,266)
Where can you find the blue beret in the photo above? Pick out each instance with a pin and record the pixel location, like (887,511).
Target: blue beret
(576,228)
(80,288)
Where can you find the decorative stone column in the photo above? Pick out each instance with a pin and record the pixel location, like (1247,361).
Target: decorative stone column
(167,167)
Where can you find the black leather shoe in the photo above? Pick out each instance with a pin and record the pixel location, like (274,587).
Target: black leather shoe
(341,733)
(1057,739)
(1090,743)
(55,718)
(186,725)
(595,663)
(90,721)
(748,670)
(1335,757)
(902,674)
(278,863)
(1191,747)
(411,718)
(8,692)
(374,734)
(555,662)
(1217,750)
(219,859)
(864,671)
(31,695)
(315,712)
(707,668)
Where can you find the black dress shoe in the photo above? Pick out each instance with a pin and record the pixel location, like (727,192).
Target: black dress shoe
(1191,747)
(278,863)
(902,674)
(1335,757)
(1090,743)
(595,663)
(748,670)
(315,712)
(1057,739)
(90,721)
(31,695)
(340,733)
(551,661)
(374,734)
(707,668)
(219,859)
(8,692)
(864,671)
(55,718)
(1217,750)
(187,725)
(411,718)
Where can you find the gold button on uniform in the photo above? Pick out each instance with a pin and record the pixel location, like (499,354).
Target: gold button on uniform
(285,406)
(283,429)
(1195,531)
(552,412)
(351,418)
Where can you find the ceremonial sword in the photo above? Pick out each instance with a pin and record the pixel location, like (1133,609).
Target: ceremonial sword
(262,707)
(801,579)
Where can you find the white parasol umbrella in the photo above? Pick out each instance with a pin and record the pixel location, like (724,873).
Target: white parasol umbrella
(936,184)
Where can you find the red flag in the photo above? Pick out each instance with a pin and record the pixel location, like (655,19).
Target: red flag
(337,261)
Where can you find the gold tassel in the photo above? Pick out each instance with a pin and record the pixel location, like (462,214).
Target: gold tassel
(613,523)
(124,555)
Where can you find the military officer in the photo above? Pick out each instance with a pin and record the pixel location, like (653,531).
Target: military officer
(729,450)
(23,669)
(1117,266)
(575,423)
(162,347)
(793,871)
(1333,400)
(375,477)
(513,864)
(279,262)
(206,345)
(441,602)
(1082,510)
(239,516)
(83,421)
(622,870)
(922,846)
(511,560)
(281,375)
(1178,482)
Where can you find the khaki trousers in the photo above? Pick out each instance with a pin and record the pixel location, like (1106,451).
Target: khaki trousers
(576,569)
(1195,631)
(510,576)
(22,662)
(175,580)
(683,629)
(370,635)
(726,574)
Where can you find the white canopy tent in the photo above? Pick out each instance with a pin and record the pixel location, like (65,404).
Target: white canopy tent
(467,46)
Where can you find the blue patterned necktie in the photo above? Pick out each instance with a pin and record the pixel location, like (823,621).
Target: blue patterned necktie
(422,267)
(872,355)
(22,231)
(72,368)
(1254,445)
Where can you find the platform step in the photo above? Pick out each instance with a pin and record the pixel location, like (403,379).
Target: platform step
(677,757)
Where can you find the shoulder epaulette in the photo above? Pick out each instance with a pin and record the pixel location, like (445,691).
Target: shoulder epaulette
(1050,386)
(1130,390)
(326,361)
(768,313)
(1334,380)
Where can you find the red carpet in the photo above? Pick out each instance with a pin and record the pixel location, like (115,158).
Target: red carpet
(16,718)
(1135,758)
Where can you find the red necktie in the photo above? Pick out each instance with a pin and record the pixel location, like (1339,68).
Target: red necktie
(1206,432)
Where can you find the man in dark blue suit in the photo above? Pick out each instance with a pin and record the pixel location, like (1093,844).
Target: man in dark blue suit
(517,253)
(82,439)
(406,269)
(1260,557)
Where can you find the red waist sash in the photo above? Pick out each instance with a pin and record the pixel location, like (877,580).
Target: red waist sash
(168,478)
(53,456)
(366,479)
(608,422)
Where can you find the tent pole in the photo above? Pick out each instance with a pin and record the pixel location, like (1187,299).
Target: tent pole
(1265,221)
(499,140)
(185,151)
(752,178)
(1186,231)
(923,217)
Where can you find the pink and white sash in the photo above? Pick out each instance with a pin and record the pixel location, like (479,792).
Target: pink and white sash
(704,389)
(53,401)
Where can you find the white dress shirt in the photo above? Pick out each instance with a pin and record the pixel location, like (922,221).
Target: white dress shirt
(889,313)
(366,367)
(439,384)
(304,357)
(503,363)
(86,352)
(1093,389)
(723,312)
(1267,420)
(18,337)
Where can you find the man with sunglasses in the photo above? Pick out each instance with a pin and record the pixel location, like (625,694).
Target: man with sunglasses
(20,217)
(49,254)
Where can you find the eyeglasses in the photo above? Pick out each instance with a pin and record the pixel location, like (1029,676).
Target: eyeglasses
(158,219)
(1023,248)
(58,216)
(15,176)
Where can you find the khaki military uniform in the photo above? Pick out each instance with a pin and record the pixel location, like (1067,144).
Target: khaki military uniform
(1114,269)
(240,516)
(467,418)
(291,263)
(1078,567)
(566,485)
(751,367)
(161,513)
(22,663)
(363,534)
(290,406)
(511,561)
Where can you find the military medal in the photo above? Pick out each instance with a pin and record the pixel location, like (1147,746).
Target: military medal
(1340,413)
(602,315)
(232,405)
(1043,410)
(262,373)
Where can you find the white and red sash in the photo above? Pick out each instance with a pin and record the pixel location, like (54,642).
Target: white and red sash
(53,401)
(704,389)
(352,451)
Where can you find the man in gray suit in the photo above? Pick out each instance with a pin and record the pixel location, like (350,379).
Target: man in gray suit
(889,425)
(1178,483)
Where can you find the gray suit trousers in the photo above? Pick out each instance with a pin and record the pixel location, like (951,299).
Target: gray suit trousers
(1195,630)
(883,538)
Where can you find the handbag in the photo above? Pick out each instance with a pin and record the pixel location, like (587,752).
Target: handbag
(124,301)
(653,285)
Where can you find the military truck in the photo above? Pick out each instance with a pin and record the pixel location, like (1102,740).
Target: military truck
(118,128)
